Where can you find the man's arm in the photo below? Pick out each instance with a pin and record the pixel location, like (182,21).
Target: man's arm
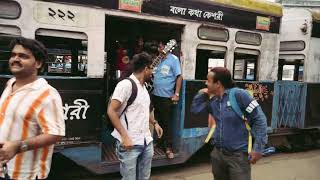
(259,129)
(200,102)
(11,148)
(112,111)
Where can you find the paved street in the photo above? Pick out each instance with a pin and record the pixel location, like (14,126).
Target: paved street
(285,166)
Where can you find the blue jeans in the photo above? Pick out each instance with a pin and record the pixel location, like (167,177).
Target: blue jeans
(135,164)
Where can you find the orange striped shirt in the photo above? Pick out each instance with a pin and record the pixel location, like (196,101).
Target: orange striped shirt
(34,109)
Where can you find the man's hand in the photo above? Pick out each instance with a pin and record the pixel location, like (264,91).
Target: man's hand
(127,143)
(175,99)
(8,150)
(159,130)
(254,157)
(204,90)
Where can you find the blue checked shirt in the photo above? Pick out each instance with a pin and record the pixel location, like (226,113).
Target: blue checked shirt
(231,133)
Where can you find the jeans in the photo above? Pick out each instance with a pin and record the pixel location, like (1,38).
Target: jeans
(230,165)
(135,164)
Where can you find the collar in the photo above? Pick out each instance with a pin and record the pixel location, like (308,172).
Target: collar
(134,78)
(37,84)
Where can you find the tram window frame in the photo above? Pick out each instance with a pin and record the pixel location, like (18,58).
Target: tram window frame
(248,43)
(213,28)
(71,55)
(205,52)
(3,6)
(244,70)
(7,34)
(297,63)
(281,49)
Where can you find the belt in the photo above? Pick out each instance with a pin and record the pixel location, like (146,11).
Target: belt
(228,152)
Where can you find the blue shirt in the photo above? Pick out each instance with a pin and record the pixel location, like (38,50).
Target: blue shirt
(231,133)
(165,76)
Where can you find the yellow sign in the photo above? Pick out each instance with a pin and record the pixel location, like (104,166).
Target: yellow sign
(263,23)
(130,5)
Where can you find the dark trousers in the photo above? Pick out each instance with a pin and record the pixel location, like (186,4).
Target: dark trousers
(230,165)
(163,114)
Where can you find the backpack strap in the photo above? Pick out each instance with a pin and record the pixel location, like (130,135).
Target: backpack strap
(239,112)
(134,92)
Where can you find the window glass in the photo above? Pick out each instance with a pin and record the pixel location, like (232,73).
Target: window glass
(248,38)
(245,66)
(214,34)
(292,46)
(288,72)
(7,33)
(9,9)
(290,69)
(66,56)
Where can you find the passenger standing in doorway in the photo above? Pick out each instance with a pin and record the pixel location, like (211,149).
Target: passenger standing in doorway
(232,155)
(134,145)
(167,84)
(31,115)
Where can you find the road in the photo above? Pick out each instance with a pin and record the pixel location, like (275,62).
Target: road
(282,166)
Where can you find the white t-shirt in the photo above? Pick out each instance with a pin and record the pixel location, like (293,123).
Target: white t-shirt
(137,113)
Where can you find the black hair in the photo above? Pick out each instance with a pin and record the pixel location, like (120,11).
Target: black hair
(223,75)
(38,50)
(140,61)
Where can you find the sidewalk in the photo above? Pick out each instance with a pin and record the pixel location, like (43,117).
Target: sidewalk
(294,166)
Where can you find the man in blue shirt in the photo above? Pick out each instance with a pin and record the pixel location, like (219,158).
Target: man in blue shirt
(231,156)
(167,84)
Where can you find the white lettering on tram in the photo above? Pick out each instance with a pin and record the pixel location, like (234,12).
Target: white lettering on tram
(74,111)
(217,16)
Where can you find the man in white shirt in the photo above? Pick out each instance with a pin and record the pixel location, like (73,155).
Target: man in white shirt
(134,141)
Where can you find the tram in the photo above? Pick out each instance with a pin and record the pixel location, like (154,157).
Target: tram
(84,39)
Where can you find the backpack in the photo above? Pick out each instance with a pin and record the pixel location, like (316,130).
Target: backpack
(238,111)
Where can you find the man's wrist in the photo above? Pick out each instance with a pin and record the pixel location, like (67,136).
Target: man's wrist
(23,147)
(177,94)
(154,122)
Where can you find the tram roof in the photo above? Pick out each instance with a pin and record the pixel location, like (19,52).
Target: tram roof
(264,7)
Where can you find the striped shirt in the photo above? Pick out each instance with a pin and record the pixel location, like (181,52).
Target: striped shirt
(34,109)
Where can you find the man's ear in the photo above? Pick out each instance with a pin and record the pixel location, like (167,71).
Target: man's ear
(39,64)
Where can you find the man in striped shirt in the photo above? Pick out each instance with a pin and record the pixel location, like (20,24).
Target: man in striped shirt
(31,115)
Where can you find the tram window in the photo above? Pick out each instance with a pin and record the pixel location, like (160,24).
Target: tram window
(212,33)
(248,38)
(292,45)
(9,9)
(207,59)
(245,66)
(290,70)
(7,33)
(66,56)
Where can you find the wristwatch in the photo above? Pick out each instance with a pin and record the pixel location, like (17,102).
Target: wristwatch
(177,94)
(155,122)
(23,147)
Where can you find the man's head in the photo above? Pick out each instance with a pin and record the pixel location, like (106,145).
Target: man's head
(141,63)
(219,79)
(27,58)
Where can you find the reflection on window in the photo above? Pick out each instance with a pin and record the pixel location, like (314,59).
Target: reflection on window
(248,38)
(66,56)
(5,52)
(212,63)
(245,66)
(288,72)
(300,74)
(212,33)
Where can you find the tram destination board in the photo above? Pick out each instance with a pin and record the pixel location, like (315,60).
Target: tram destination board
(198,10)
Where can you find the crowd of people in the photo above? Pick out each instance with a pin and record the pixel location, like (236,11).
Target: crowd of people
(31,115)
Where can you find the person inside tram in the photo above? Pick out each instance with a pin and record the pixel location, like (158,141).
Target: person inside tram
(167,84)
